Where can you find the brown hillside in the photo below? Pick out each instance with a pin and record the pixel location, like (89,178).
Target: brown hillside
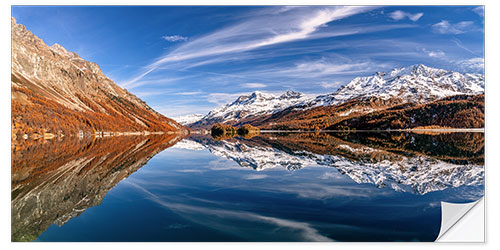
(55,91)
(455,112)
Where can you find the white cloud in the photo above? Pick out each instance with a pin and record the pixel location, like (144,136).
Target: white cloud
(329,85)
(325,67)
(431,53)
(262,31)
(174,38)
(479,10)
(253,85)
(344,30)
(436,53)
(190,93)
(134,82)
(153,81)
(190,170)
(310,25)
(415,17)
(445,27)
(316,71)
(399,15)
(473,64)
(258,31)
(460,45)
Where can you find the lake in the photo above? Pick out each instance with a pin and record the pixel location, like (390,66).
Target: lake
(364,186)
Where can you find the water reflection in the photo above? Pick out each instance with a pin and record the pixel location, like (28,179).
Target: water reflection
(271,187)
(54,181)
(417,163)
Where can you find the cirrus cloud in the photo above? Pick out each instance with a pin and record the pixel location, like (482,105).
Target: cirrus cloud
(479,10)
(253,85)
(432,53)
(262,30)
(400,15)
(174,38)
(445,27)
(475,64)
(329,85)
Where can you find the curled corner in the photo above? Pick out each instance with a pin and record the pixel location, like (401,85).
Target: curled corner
(455,215)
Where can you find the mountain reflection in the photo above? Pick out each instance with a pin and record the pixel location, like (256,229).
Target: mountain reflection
(407,162)
(54,181)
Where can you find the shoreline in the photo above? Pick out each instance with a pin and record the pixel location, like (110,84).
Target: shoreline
(98,134)
(447,130)
(50,136)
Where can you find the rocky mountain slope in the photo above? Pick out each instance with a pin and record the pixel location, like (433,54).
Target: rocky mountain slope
(417,84)
(56,91)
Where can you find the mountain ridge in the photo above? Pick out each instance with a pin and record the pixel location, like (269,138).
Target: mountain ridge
(57,92)
(252,105)
(416,84)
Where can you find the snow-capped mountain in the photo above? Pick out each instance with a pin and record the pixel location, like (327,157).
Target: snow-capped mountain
(413,84)
(417,83)
(255,104)
(417,174)
(258,157)
(188,119)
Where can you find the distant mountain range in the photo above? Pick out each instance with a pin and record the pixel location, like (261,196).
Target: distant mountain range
(188,119)
(417,83)
(55,91)
(253,105)
(414,85)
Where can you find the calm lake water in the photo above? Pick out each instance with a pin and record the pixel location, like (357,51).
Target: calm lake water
(272,187)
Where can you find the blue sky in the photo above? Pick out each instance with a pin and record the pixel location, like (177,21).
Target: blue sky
(184,60)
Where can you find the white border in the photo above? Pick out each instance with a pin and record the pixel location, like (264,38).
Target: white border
(492,23)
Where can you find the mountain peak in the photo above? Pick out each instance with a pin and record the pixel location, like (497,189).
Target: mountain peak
(415,83)
(257,94)
(420,69)
(416,69)
(254,104)
(291,94)
(57,48)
